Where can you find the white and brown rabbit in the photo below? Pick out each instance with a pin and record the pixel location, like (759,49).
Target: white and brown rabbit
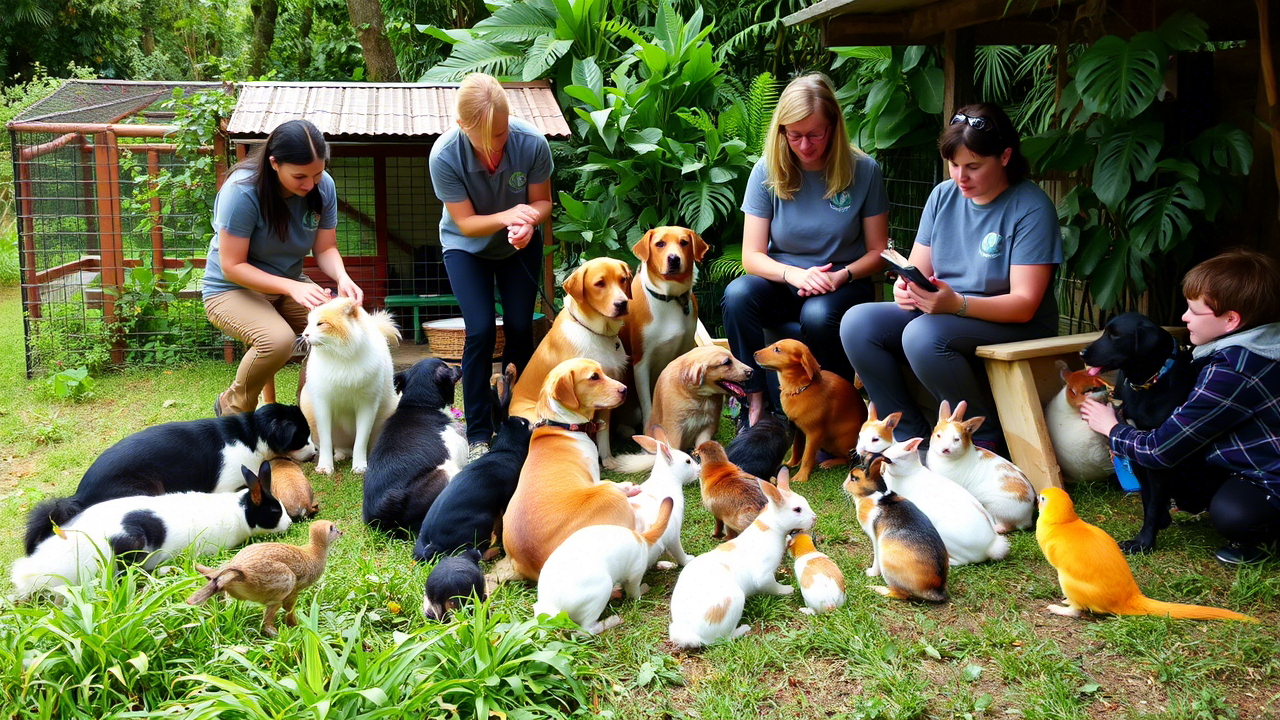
(672,470)
(965,526)
(707,601)
(999,485)
(1082,453)
(876,435)
(907,550)
(271,573)
(821,582)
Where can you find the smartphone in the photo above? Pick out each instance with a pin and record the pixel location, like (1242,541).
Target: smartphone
(905,269)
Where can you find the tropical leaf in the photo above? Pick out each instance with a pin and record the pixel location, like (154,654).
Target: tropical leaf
(927,87)
(1119,78)
(1223,145)
(543,55)
(1183,31)
(1059,150)
(497,59)
(701,201)
(517,22)
(994,67)
(1107,283)
(1124,156)
(1158,219)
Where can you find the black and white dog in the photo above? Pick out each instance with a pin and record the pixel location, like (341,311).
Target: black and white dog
(1156,376)
(204,455)
(419,451)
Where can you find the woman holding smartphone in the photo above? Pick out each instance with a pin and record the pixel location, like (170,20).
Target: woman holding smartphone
(989,241)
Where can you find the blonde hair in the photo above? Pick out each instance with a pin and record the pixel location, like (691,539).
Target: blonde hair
(804,96)
(480,99)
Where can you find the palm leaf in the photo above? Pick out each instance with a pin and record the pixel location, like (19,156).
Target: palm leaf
(518,22)
(498,59)
(994,66)
(1119,78)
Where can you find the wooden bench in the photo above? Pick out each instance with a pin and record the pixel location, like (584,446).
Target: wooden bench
(1024,376)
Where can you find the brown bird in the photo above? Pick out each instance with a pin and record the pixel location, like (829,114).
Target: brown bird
(731,496)
(1093,572)
(271,573)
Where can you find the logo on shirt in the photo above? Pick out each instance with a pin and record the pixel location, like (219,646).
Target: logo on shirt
(991,245)
(517,181)
(311,220)
(840,202)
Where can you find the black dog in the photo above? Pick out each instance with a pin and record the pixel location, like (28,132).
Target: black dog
(1156,376)
(452,582)
(760,449)
(193,455)
(406,471)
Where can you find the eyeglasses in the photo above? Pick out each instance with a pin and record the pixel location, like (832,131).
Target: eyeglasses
(813,137)
(978,123)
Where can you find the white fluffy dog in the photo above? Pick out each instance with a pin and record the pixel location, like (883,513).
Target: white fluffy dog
(349,392)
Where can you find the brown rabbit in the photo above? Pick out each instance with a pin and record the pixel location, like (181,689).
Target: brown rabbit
(271,573)
(291,487)
(732,496)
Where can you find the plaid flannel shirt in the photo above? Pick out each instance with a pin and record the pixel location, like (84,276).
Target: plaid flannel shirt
(1232,415)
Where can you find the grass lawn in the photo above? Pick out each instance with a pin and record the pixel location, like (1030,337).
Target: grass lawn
(131,647)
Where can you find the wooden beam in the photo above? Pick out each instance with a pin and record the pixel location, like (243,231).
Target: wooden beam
(941,17)
(864,30)
(157,221)
(94,128)
(31,289)
(957,71)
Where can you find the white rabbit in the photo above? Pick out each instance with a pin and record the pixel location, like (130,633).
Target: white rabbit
(579,576)
(1082,453)
(151,529)
(876,435)
(999,485)
(706,604)
(672,470)
(964,525)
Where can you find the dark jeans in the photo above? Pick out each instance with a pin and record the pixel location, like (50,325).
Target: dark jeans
(1241,511)
(880,337)
(473,281)
(752,303)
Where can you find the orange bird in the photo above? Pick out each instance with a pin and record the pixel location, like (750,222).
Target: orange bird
(1093,572)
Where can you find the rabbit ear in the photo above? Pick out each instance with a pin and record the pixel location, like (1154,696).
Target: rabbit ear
(958,415)
(892,421)
(784,479)
(911,445)
(646,443)
(770,491)
(251,480)
(944,411)
(871,412)
(972,424)
(665,451)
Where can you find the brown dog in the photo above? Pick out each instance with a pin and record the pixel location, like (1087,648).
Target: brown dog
(827,411)
(733,497)
(597,296)
(560,489)
(664,312)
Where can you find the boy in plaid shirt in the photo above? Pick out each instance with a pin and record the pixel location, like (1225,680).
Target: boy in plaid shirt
(1227,434)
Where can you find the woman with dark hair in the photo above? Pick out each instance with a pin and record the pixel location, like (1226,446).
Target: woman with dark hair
(989,240)
(274,208)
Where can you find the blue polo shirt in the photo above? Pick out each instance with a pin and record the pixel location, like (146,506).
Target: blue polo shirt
(237,210)
(810,229)
(457,175)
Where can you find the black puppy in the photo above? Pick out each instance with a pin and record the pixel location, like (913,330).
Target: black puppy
(468,510)
(760,449)
(202,455)
(406,466)
(1155,377)
(452,582)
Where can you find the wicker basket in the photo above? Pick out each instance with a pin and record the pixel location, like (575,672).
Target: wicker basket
(447,337)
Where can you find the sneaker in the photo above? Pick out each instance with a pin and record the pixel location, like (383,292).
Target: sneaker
(1237,554)
(477,450)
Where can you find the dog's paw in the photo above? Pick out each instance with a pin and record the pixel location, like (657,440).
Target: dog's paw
(339,455)
(359,469)
(1137,545)
(808,611)
(800,477)
(609,463)
(666,565)
(324,469)
(833,462)
(872,571)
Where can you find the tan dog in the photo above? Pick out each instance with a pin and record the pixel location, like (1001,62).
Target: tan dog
(827,411)
(560,489)
(664,312)
(597,296)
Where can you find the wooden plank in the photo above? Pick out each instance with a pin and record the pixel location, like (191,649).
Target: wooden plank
(30,290)
(957,71)
(106,241)
(1022,419)
(1059,345)
(113,255)
(157,222)
(948,17)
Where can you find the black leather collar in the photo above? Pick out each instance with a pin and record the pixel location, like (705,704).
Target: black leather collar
(588,427)
(682,299)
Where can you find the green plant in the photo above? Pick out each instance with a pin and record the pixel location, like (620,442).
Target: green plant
(894,98)
(72,384)
(1133,223)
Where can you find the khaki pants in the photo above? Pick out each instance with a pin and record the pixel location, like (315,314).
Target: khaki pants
(268,326)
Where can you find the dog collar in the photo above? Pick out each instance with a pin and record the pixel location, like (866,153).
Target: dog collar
(617,343)
(588,427)
(800,389)
(682,299)
(1168,365)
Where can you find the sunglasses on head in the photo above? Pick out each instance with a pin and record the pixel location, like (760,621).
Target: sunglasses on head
(978,123)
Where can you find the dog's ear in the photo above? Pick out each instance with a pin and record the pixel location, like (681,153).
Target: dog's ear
(641,248)
(1064,371)
(699,246)
(352,307)
(399,380)
(575,285)
(892,421)
(958,415)
(693,373)
(944,411)
(626,279)
(564,391)
(810,364)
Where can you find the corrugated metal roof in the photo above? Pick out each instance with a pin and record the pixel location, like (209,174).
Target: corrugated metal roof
(378,109)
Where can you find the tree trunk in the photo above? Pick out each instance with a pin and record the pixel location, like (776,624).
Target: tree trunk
(264,32)
(148,40)
(379,60)
(304,32)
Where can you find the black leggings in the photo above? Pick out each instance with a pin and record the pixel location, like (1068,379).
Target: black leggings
(473,280)
(1245,512)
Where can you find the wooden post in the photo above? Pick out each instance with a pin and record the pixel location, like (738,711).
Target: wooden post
(26,230)
(379,289)
(86,182)
(157,228)
(107,174)
(1268,81)
(957,71)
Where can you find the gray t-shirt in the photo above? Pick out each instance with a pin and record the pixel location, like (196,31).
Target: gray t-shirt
(457,175)
(972,246)
(809,229)
(236,209)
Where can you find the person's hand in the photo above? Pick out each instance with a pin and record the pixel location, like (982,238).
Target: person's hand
(1101,417)
(348,288)
(309,295)
(814,281)
(943,302)
(519,235)
(519,215)
(902,295)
